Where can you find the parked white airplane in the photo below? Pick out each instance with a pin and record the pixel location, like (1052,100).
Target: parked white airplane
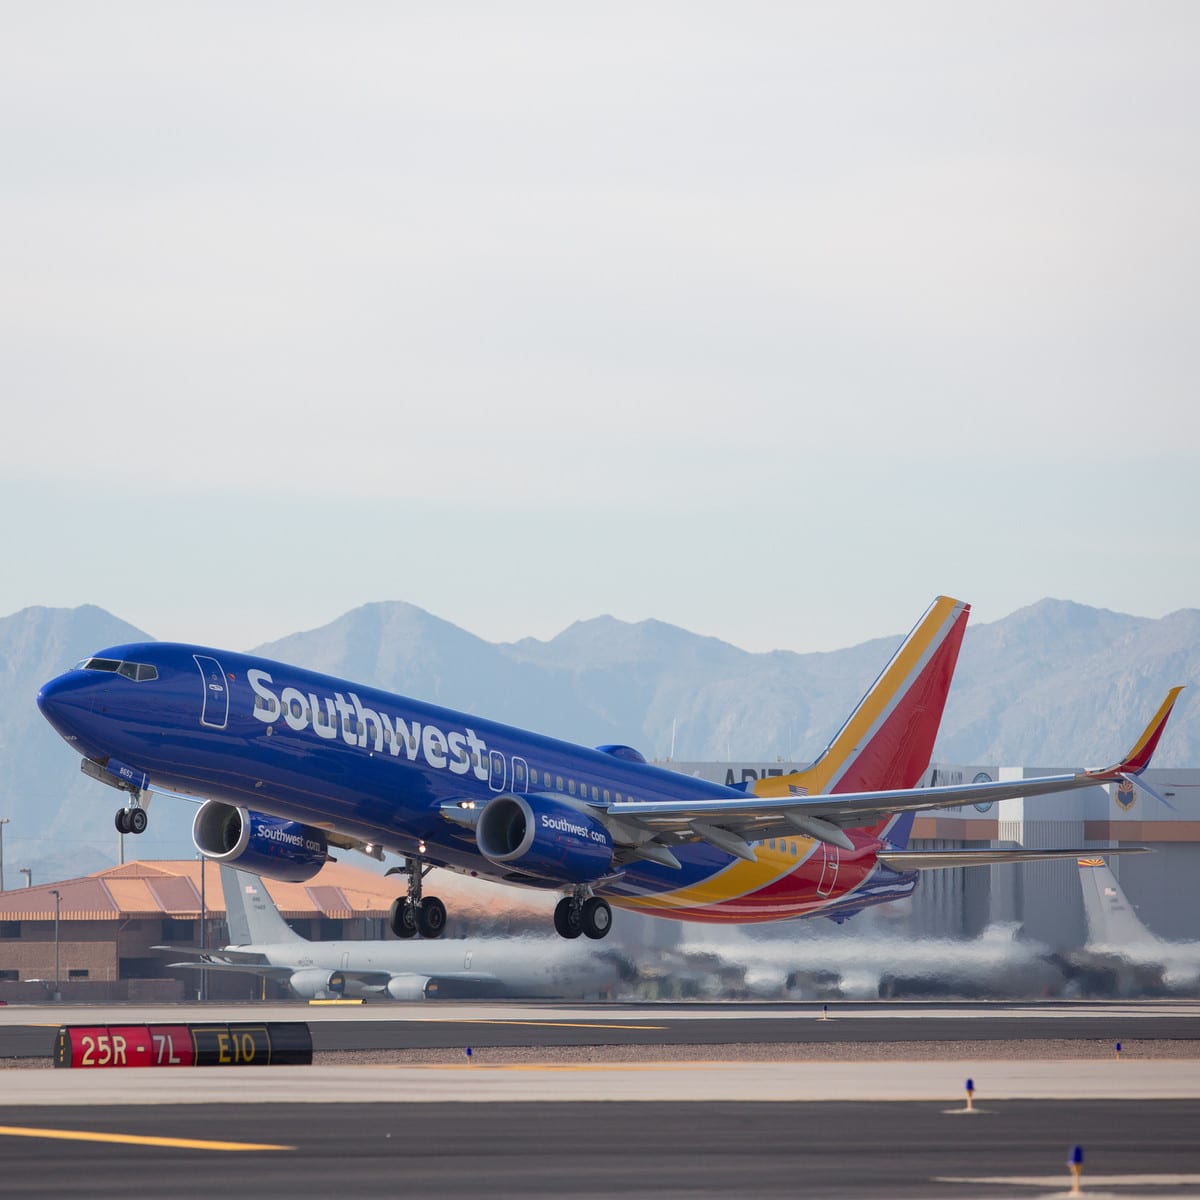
(265,945)
(1115,929)
(999,962)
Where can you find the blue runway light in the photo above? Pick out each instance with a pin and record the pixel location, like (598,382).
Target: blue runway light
(1075,1162)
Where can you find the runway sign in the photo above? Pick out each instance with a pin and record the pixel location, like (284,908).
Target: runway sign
(269,1044)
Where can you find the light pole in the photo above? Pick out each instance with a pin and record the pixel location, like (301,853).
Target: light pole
(57,906)
(3,822)
(28,873)
(203,931)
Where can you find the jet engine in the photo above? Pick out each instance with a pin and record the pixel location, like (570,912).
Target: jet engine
(541,836)
(264,845)
(408,987)
(315,984)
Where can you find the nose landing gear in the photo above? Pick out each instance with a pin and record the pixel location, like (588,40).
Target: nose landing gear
(135,818)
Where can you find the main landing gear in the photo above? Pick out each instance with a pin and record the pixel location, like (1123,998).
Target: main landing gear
(413,913)
(576,914)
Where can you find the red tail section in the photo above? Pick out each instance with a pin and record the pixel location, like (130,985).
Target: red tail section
(887,741)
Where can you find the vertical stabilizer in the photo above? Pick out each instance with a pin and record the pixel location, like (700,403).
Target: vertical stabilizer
(1111,921)
(888,739)
(250,912)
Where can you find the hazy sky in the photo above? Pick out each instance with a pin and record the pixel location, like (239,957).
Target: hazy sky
(770,320)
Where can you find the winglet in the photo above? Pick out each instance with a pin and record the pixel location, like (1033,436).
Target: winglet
(1138,758)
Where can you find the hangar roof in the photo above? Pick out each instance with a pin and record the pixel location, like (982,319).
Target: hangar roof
(171,888)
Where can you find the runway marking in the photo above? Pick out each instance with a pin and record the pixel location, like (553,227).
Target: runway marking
(132,1139)
(464,1066)
(1060,1180)
(551,1024)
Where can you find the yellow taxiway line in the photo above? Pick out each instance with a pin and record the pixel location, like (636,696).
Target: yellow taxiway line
(131,1139)
(551,1024)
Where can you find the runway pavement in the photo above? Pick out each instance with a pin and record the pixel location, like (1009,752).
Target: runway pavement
(29,1030)
(534,1128)
(593,1150)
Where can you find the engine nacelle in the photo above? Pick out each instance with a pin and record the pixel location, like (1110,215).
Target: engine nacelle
(268,846)
(540,836)
(408,987)
(313,983)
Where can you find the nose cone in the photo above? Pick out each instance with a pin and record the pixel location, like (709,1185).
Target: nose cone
(67,701)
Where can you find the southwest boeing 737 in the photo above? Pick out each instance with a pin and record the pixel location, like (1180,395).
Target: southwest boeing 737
(290,763)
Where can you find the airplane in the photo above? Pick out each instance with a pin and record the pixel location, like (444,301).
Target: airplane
(1117,934)
(264,944)
(997,963)
(290,763)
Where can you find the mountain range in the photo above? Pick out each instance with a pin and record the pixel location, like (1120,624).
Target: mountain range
(1056,684)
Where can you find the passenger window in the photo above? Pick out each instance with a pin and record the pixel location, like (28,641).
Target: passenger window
(595,793)
(606,796)
(571,786)
(559,779)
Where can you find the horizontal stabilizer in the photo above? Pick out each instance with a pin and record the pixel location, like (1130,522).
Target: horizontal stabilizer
(934,860)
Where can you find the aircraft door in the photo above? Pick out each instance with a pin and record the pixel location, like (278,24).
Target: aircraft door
(830,861)
(498,771)
(520,775)
(214,710)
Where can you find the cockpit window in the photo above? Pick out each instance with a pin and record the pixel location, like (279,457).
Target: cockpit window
(139,672)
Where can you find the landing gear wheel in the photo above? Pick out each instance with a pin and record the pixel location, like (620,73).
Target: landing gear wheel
(596,918)
(138,818)
(568,917)
(402,918)
(121,820)
(431,917)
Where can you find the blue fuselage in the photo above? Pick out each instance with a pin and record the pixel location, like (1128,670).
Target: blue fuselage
(371,765)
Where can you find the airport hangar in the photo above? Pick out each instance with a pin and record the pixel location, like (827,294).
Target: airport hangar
(108,921)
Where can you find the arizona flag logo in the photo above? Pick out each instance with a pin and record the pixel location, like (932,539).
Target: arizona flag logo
(1126,795)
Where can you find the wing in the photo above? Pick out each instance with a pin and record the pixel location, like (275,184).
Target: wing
(247,968)
(648,828)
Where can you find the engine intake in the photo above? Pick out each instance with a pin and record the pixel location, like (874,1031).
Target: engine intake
(544,837)
(268,846)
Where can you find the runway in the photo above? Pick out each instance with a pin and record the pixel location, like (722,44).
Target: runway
(515,1120)
(28,1030)
(598,1150)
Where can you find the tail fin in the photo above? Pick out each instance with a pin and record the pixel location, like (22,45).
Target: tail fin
(887,741)
(250,912)
(1111,921)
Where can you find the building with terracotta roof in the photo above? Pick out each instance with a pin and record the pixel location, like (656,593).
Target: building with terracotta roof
(109,922)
